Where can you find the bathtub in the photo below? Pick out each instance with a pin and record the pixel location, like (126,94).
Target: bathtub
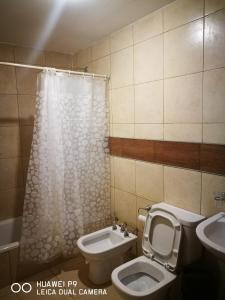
(11,269)
(10,231)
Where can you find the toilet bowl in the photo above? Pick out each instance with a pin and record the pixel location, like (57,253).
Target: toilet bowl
(104,250)
(142,278)
(168,235)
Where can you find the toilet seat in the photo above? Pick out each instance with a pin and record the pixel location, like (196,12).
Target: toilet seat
(126,277)
(152,273)
(162,238)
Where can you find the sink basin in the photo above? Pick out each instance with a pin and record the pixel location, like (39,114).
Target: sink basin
(211,233)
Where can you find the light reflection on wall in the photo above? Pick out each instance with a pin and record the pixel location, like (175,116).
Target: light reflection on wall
(47,28)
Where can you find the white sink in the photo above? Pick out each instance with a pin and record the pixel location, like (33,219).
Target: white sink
(211,233)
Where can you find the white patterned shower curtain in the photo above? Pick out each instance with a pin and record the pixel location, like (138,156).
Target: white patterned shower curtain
(67,189)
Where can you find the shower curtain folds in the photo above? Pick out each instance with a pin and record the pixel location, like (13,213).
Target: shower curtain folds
(68,181)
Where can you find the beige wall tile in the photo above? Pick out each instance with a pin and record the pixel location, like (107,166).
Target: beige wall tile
(11,173)
(183,132)
(110,129)
(149,131)
(213,5)
(101,66)
(214,133)
(183,49)
(26,81)
(149,181)
(122,68)
(123,130)
(148,26)
(211,184)
(101,49)
(11,204)
(58,60)
(26,108)
(121,39)
(7,80)
(6,53)
(83,57)
(8,110)
(9,141)
(148,60)
(125,207)
(124,172)
(112,170)
(29,56)
(110,106)
(112,201)
(182,11)
(149,102)
(214,96)
(183,188)
(214,49)
(123,105)
(25,164)
(183,99)
(26,139)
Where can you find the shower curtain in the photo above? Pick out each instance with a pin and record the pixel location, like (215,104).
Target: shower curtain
(68,181)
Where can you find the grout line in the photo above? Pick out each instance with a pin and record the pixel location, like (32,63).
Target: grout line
(163,77)
(167,123)
(163,32)
(213,12)
(20,128)
(163,168)
(184,24)
(138,123)
(167,78)
(15,94)
(134,95)
(203,65)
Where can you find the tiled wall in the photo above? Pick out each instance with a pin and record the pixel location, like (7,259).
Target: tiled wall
(167,83)
(17,98)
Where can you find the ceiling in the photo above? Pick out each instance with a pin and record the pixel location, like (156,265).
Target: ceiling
(67,25)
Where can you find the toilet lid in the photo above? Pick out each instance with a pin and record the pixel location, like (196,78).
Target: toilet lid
(162,238)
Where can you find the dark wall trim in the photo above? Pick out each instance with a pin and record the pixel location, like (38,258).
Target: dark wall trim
(196,156)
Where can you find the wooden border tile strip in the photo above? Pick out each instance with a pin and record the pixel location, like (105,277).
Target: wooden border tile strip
(196,156)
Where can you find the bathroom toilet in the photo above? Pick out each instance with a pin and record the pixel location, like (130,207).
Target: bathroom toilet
(169,242)
(104,250)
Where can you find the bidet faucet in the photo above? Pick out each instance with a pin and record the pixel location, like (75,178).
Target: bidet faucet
(123,227)
(126,233)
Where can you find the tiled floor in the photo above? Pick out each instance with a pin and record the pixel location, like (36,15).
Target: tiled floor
(71,270)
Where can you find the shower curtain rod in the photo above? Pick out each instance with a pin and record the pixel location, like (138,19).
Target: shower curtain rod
(57,70)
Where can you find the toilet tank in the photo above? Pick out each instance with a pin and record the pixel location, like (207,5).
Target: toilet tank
(191,248)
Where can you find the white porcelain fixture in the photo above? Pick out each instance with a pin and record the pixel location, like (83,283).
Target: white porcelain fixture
(169,242)
(211,233)
(104,250)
